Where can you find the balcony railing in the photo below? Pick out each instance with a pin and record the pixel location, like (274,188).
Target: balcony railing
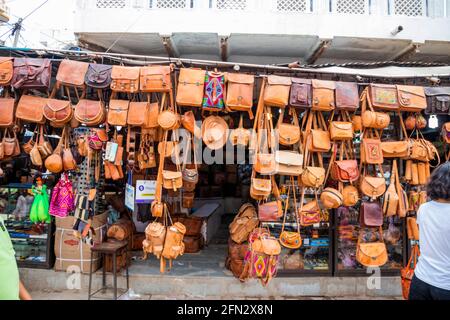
(405,8)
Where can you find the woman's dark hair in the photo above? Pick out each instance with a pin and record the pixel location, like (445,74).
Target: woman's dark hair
(438,186)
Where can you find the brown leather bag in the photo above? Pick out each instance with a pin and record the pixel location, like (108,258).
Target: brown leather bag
(240,92)
(291,239)
(190,87)
(370,214)
(288,133)
(411,98)
(347,96)
(125,79)
(301,93)
(345,170)
(371,152)
(90,112)
(7,112)
(313,176)
(118,112)
(350,196)
(173,244)
(44,146)
(318,138)
(10,144)
(277,91)
(98,76)
(383,96)
(288,163)
(243,223)
(138,113)
(371,254)
(271,210)
(341,130)
(31,109)
(54,162)
(155,79)
(323,95)
(58,112)
(376,120)
(372,187)
(72,73)
(193,244)
(395,149)
(6,71)
(30,73)
(331,198)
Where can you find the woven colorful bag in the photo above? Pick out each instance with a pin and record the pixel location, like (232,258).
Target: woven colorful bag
(213,98)
(62,202)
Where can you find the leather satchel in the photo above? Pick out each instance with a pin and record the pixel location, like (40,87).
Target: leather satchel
(31,109)
(309,214)
(190,87)
(172,180)
(72,73)
(277,90)
(288,133)
(260,188)
(240,92)
(125,79)
(383,96)
(10,144)
(288,163)
(7,112)
(138,113)
(58,112)
(301,93)
(350,196)
(243,223)
(331,198)
(44,146)
(319,141)
(371,152)
(265,163)
(313,176)
(347,97)
(395,149)
(30,73)
(341,130)
(323,95)
(376,120)
(90,112)
(370,214)
(345,170)
(273,210)
(371,254)
(291,239)
(438,100)
(411,98)
(118,112)
(372,187)
(98,76)
(155,79)
(6,71)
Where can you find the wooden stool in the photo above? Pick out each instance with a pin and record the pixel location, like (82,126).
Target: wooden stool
(112,248)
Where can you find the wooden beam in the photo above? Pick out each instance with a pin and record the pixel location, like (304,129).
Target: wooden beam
(323,45)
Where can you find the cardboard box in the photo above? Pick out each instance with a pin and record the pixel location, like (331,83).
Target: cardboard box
(72,252)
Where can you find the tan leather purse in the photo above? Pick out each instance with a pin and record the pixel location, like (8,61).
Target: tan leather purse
(391,198)
(90,112)
(7,111)
(291,239)
(376,120)
(152,116)
(188,122)
(125,79)
(172,180)
(357,123)
(138,114)
(411,98)
(288,133)
(371,254)
(260,188)
(44,146)
(58,112)
(395,149)
(54,162)
(317,135)
(277,91)
(31,109)
(118,112)
(68,160)
(288,163)
(331,198)
(372,187)
(350,196)
(313,176)
(10,144)
(323,95)
(72,73)
(168,118)
(155,79)
(240,135)
(341,130)
(35,156)
(6,71)
(190,87)
(264,163)
(371,152)
(240,92)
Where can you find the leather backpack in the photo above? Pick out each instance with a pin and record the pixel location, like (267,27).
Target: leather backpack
(118,112)
(381,96)
(288,133)
(173,243)
(125,79)
(98,76)
(6,71)
(31,73)
(370,214)
(31,109)
(323,95)
(301,93)
(243,224)
(155,79)
(239,95)
(347,96)
(277,91)
(72,73)
(7,112)
(190,87)
(438,100)
(411,98)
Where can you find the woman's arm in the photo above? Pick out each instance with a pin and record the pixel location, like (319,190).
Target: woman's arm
(23,292)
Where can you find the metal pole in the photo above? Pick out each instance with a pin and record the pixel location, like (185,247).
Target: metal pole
(16,31)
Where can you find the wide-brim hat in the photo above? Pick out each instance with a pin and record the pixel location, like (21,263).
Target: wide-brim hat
(214,132)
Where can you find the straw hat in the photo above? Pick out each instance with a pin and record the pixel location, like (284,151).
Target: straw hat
(214,132)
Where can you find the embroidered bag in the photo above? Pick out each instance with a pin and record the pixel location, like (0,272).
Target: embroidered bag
(62,201)
(213,98)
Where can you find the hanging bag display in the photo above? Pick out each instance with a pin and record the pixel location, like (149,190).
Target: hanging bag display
(291,239)
(190,87)
(301,93)
(155,79)
(214,95)
(239,95)
(323,95)
(31,73)
(125,79)
(98,76)
(277,91)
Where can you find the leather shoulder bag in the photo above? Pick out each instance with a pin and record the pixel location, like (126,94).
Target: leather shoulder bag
(371,254)
(6,71)
(90,112)
(288,133)
(382,96)
(239,95)
(31,109)
(155,79)
(301,93)
(31,73)
(190,87)
(72,73)
(277,91)
(291,239)
(7,112)
(347,96)
(98,76)
(118,112)
(323,95)
(411,98)
(125,79)
(438,100)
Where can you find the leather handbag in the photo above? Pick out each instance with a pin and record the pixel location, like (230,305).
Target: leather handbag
(372,187)
(310,212)
(371,254)
(31,109)
(173,244)
(395,149)
(68,159)
(90,112)
(172,180)
(370,214)
(98,76)
(155,79)
(347,96)
(240,135)
(72,73)
(438,100)
(7,114)
(190,87)
(331,198)
(291,239)
(214,95)
(271,210)
(190,175)
(31,73)
(376,120)
(264,163)
(125,79)
(187,200)
(277,91)
(341,130)
(44,146)
(350,196)
(118,112)
(54,162)
(138,113)
(245,221)
(411,98)
(345,170)
(407,273)
(10,144)
(239,95)
(35,156)
(301,93)
(313,176)
(318,138)
(260,188)
(288,133)
(6,71)
(58,112)
(168,118)
(371,152)
(323,95)
(188,122)
(288,163)
(391,198)
(383,96)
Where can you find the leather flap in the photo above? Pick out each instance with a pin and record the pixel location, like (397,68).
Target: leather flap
(342,125)
(437,91)
(57,105)
(192,76)
(323,84)
(349,166)
(33,101)
(392,147)
(270,246)
(347,94)
(127,73)
(372,250)
(416,90)
(171,175)
(7,103)
(289,158)
(317,172)
(310,207)
(301,81)
(375,182)
(277,80)
(115,104)
(241,78)
(155,70)
(72,72)
(35,62)
(321,139)
(88,109)
(139,105)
